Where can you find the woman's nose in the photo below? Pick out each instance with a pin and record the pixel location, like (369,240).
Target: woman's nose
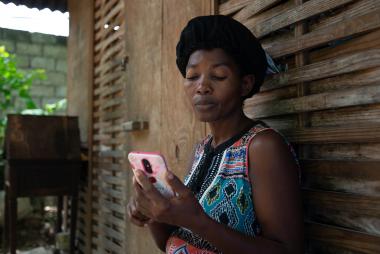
(204,86)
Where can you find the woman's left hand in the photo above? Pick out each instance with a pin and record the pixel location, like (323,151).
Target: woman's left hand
(181,210)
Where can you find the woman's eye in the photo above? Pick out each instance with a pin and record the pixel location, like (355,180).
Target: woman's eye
(219,78)
(192,78)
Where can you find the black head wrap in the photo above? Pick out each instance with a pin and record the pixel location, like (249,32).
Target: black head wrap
(218,31)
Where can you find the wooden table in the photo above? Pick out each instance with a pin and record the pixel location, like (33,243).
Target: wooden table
(42,159)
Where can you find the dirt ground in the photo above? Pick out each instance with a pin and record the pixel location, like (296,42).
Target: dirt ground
(35,230)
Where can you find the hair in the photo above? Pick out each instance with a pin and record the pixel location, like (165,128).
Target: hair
(218,31)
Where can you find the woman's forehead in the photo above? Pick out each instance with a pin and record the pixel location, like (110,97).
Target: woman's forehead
(214,56)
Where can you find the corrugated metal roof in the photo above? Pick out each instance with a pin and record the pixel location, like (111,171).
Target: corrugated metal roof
(54,5)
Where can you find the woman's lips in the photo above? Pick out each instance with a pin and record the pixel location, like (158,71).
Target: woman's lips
(204,106)
(203,103)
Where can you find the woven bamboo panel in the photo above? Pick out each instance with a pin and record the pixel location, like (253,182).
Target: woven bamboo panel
(108,139)
(326,100)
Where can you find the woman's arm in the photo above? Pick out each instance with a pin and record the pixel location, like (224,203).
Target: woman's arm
(274,177)
(160,233)
(276,195)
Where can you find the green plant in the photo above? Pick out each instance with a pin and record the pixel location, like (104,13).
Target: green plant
(15,85)
(48,109)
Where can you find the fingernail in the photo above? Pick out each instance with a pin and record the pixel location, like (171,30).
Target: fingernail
(170,175)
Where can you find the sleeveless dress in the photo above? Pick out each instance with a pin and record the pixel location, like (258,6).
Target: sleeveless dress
(220,181)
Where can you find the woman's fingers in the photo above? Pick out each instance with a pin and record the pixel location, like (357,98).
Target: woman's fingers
(135,216)
(147,188)
(137,222)
(177,186)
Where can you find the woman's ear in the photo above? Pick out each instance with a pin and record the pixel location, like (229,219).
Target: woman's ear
(248,81)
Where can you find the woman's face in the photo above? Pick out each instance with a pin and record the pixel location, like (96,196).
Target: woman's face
(214,85)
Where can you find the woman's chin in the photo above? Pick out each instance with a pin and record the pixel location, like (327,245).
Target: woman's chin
(206,118)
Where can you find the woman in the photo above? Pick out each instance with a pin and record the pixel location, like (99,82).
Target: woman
(242,193)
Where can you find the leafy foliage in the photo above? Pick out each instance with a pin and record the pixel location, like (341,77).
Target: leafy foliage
(14,86)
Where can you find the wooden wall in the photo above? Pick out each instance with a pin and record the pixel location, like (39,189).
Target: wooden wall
(79,97)
(134,78)
(80,69)
(326,100)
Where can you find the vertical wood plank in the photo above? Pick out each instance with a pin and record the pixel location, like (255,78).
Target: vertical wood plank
(180,129)
(143,40)
(302,88)
(79,90)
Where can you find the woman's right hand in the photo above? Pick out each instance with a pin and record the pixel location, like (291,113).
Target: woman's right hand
(135,216)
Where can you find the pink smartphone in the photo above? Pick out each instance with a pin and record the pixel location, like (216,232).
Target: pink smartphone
(154,166)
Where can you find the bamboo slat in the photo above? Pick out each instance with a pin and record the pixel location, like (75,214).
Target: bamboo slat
(298,13)
(107,67)
(102,81)
(278,94)
(105,8)
(110,14)
(112,233)
(112,220)
(345,28)
(112,129)
(267,15)
(346,81)
(356,44)
(105,139)
(253,8)
(114,180)
(232,6)
(343,209)
(110,166)
(107,29)
(108,116)
(111,103)
(348,240)
(329,100)
(114,89)
(109,246)
(100,125)
(356,8)
(340,65)
(112,207)
(358,177)
(341,134)
(354,151)
(112,153)
(346,116)
(117,35)
(111,53)
(115,194)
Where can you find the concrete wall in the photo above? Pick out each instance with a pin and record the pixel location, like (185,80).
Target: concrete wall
(35,50)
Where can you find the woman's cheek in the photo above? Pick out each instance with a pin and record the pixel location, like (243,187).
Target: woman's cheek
(189,88)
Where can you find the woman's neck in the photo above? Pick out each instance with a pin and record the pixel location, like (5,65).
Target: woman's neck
(225,129)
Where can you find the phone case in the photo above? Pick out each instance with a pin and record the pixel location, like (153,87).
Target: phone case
(158,170)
